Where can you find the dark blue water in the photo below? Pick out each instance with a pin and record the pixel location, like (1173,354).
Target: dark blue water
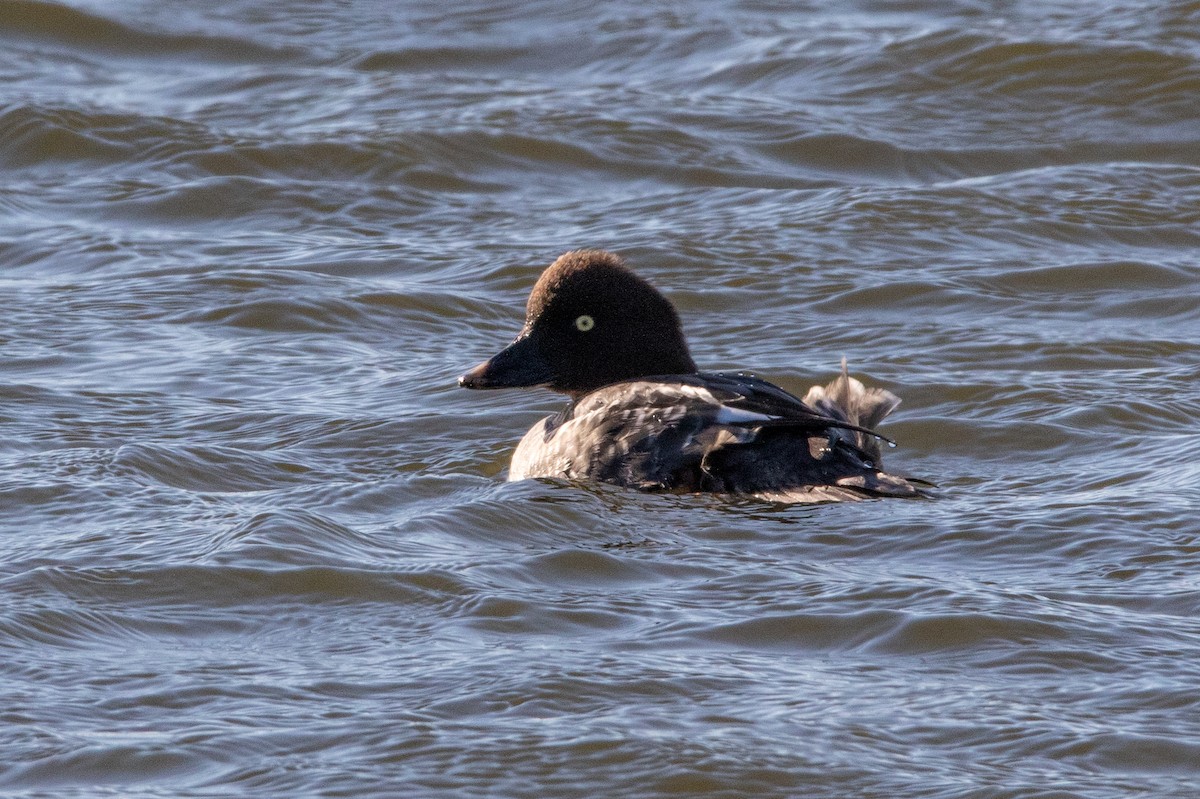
(255,542)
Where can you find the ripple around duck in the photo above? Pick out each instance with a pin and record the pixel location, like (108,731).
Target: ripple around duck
(579,568)
(111,608)
(948,632)
(1133,73)
(533,513)
(31,135)
(1138,290)
(51,22)
(171,167)
(1095,278)
(422,60)
(1133,753)
(881,160)
(291,537)
(507,618)
(228,586)
(126,765)
(811,632)
(284,315)
(217,469)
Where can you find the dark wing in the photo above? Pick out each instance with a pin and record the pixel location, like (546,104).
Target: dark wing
(745,392)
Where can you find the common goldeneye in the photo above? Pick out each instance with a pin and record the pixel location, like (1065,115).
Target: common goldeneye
(642,415)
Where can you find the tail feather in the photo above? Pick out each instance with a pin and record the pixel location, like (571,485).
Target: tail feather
(847,399)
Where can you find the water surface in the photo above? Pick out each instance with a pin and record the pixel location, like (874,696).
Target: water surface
(255,542)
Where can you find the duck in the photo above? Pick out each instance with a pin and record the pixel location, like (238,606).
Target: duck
(642,415)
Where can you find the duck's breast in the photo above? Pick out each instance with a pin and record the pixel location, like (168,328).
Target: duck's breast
(618,437)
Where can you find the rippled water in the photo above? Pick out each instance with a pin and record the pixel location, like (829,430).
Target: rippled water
(255,542)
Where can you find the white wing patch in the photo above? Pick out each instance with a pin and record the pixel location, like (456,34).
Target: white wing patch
(729,415)
(725,414)
(668,401)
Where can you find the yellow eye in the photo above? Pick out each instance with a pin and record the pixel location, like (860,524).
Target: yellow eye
(584,323)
